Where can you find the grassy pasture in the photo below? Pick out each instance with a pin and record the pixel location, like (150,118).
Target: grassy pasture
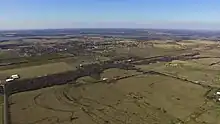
(148,51)
(86,79)
(168,46)
(115,72)
(40,70)
(195,70)
(213,52)
(170,94)
(140,99)
(135,100)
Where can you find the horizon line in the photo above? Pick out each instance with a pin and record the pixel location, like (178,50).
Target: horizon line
(37,29)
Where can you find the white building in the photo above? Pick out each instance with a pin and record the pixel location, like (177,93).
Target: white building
(15,76)
(129,60)
(104,79)
(9,80)
(217,93)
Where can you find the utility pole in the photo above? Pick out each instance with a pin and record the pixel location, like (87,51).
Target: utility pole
(6,106)
(5,111)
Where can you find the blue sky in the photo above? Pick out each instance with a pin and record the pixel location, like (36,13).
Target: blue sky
(35,14)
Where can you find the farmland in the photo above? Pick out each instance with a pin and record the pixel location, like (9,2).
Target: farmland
(138,99)
(155,82)
(39,70)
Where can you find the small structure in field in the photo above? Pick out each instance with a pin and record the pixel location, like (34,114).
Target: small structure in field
(15,76)
(80,65)
(197,82)
(218,93)
(12,78)
(9,80)
(104,79)
(172,64)
(129,60)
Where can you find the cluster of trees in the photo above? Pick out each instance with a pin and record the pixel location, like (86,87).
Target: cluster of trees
(167,58)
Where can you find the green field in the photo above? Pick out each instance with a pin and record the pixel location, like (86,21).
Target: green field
(86,79)
(132,97)
(146,52)
(198,70)
(19,62)
(35,71)
(115,72)
(133,100)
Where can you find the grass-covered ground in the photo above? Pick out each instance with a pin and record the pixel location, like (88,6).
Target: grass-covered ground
(147,51)
(140,99)
(195,70)
(46,65)
(116,73)
(135,100)
(40,70)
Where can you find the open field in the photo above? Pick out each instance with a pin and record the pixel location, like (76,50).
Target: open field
(158,92)
(76,61)
(19,62)
(115,72)
(35,71)
(86,79)
(73,61)
(195,70)
(135,100)
(147,52)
